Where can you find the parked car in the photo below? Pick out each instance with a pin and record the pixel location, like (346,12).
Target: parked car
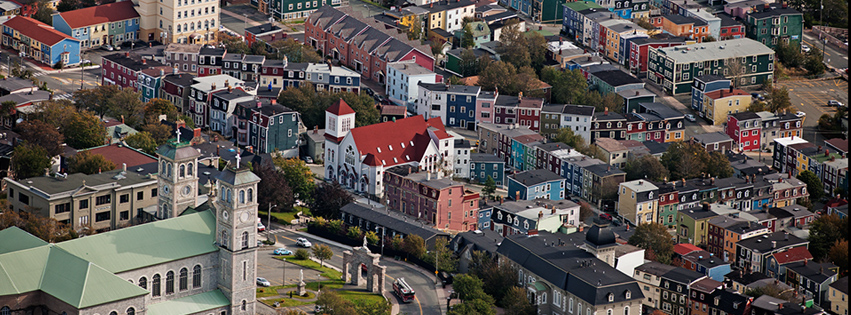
(805,48)
(307,159)
(107,47)
(835,103)
(260,227)
(606,216)
(263,282)
(616,222)
(369,91)
(758,96)
(282,251)
(690,117)
(303,242)
(800,114)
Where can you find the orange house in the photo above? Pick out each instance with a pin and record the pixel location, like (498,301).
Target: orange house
(679,25)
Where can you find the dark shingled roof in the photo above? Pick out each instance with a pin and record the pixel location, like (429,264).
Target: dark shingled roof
(578,110)
(775,9)
(391,220)
(484,157)
(535,177)
(484,240)
(616,78)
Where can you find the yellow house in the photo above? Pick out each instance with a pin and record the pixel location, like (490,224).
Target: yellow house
(615,30)
(838,296)
(408,15)
(720,103)
(449,15)
(638,201)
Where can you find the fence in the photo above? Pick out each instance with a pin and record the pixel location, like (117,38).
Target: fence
(387,252)
(835,36)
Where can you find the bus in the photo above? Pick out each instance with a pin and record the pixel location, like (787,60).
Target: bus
(403,290)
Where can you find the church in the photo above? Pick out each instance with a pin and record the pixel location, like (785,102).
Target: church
(197,259)
(357,157)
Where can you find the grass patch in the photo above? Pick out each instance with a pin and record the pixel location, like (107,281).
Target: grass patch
(360,296)
(310,295)
(285,302)
(326,272)
(268,291)
(326,285)
(284,217)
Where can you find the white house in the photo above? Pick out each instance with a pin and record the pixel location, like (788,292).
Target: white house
(578,118)
(357,157)
(200,95)
(402,80)
(462,156)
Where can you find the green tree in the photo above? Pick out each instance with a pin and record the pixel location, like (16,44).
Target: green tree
(490,188)
(159,132)
(234,45)
(41,134)
(354,232)
(718,165)
(467,40)
(815,62)
(513,48)
(8,110)
(414,245)
(645,167)
(517,303)
(814,184)
(322,252)
(29,160)
(371,237)
(838,255)
(685,159)
(43,12)
(158,106)
(415,30)
(89,163)
(470,288)
(469,64)
(331,303)
(654,236)
(295,51)
(824,231)
(445,257)
(473,307)
(273,189)
(298,176)
(789,54)
(142,141)
(328,198)
(67,5)
(779,100)
(84,130)
(569,86)
(566,136)
(98,100)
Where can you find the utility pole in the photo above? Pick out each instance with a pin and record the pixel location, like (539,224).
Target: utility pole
(823,40)
(284,269)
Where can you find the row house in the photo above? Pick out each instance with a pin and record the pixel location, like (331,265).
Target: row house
(243,67)
(675,287)
(710,297)
(183,57)
(667,208)
(777,262)
(523,153)
(40,42)
(449,15)
(752,253)
(210,61)
(440,202)
(200,96)
(674,68)
(483,165)
(455,105)
(527,217)
(282,74)
(294,9)
(638,201)
(608,124)
(617,37)
(680,25)
(599,181)
(108,24)
(715,141)
(222,106)
(774,22)
(357,157)
(577,118)
(334,79)
(403,80)
(123,69)
(730,27)
(257,33)
(745,129)
(812,279)
(525,111)
(150,83)
(361,47)
(779,125)
(268,127)
(175,89)
(549,156)
(718,105)
(574,173)
(534,184)
(693,224)
(725,231)
(639,48)
(704,84)
(834,174)
(572,22)
(663,124)
(612,151)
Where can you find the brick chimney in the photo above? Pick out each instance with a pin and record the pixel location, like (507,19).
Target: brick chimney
(144,61)
(316,129)
(606,111)
(180,124)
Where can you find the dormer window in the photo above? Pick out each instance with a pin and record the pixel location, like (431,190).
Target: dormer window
(379,150)
(650,195)
(628,295)
(402,144)
(611,297)
(390,147)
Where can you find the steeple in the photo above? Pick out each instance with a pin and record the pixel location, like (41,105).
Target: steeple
(177,178)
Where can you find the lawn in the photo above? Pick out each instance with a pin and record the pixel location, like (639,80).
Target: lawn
(284,217)
(285,302)
(360,296)
(307,263)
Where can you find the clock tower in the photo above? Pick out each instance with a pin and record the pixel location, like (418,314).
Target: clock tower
(177,179)
(236,234)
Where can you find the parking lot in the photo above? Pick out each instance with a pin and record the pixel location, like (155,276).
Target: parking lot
(811,96)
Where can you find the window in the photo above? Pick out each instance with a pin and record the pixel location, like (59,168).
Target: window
(131,311)
(102,216)
(196,276)
(100,200)
(183,283)
(169,282)
(155,285)
(143,283)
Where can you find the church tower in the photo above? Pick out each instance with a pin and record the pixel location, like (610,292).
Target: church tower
(236,230)
(339,119)
(178,177)
(600,241)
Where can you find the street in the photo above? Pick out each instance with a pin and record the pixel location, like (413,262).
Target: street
(810,97)
(833,57)
(426,301)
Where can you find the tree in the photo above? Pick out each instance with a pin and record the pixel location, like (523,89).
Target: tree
(470,288)
(331,303)
(159,132)
(815,62)
(569,86)
(585,211)
(467,40)
(645,167)
(514,48)
(733,70)
(415,30)
(127,106)
(775,291)
(29,160)
(42,134)
(327,200)
(824,231)
(516,302)
(645,23)
(371,237)
(89,163)
(322,252)
(158,106)
(566,136)
(43,12)
(789,54)
(838,255)
(84,130)
(757,106)
(98,100)
(67,5)
(414,245)
(298,176)
(234,44)
(8,110)
(718,165)
(444,255)
(779,100)
(469,64)
(273,189)
(142,141)
(490,187)
(354,232)
(295,51)
(814,184)
(654,236)
(685,159)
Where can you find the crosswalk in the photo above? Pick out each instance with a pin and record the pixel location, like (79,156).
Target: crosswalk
(38,74)
(66,96)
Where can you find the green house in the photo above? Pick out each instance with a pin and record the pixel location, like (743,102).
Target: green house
(693,225)
(298,9)
(453,60)
(674,68)
(773,22)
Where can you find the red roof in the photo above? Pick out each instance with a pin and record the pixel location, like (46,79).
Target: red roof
(340,108)
(793,255)
(725,93)
(685,248)
(123,154)
(113,12)
(36,30)
(408,138)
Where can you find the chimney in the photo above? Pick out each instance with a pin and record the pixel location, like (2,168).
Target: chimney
(428,175)
(773,244)
(784,5)
(179,124)
(316,129)
(230,89)
(636,93)
(127,54)
(731,89)
(227,83)
(431,5)
(516,195)
(553,210)
(174,70)
(250,149)
(520,96)
(144,61)
(196,133)
(826,152)
(259,104)
(705,206)
(606,111)
(766,7)
(212,85)
(162,72)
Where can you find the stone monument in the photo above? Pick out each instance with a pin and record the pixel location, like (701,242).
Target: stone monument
(301,284)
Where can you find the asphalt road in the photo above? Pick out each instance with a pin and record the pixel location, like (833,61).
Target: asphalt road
(810,97)
(838,59)
(426,301)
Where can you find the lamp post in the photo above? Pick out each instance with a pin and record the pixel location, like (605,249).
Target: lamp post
(284,271)
(244,23)
(269,222)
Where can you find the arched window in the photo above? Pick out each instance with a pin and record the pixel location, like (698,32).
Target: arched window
(190,169)
(224,238)
(168,171)
(113,313)
(182,170)
(243,307)
(609,312)
(162,167)
(183,281)
(244,240)
(250,195)
(143,283)
(242,196)
(5,311)
(579,308)
(131,311)
(626,310)
(155,285)
(230,196)
(196,276)
(169,282)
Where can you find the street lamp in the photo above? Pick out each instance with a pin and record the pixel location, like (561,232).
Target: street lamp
(284,269)
(269,222)
(244,22)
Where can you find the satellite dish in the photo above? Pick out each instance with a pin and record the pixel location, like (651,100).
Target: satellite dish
(20,120)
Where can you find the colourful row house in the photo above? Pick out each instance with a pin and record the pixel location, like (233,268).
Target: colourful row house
(41,42)
(108,24)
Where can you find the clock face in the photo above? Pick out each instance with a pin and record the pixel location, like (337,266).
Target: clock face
(187,189)
(166,189)
(225,215)
(243,217)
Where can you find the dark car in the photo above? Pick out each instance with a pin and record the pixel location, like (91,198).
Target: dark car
(616,222)
(606,216)
(369,91)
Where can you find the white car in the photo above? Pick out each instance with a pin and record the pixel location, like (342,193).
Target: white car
(303,242)
(690,117)
(107,47)
(800,114)
(263,282)
(805,48)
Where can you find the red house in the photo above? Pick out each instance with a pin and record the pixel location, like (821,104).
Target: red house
(441,203)
(252,34)
(744,128)
(530,111)
(638,49)
(123,69)
(730,28)
(359,46)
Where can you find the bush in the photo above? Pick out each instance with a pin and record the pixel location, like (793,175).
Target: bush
(302,254)
(354,233)
(269,242)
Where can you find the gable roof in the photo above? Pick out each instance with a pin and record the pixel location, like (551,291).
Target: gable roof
(192,304)
(391,220)
(339,108)
(534,177)
(408,138)
(685,248)
(792,255)
(113,12)
(36,30)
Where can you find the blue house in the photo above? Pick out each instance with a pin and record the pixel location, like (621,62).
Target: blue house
(572,169)
(706,263)
(108,24)
(535,184)
(483,165)
(705,84)
(461,106)
(485,218)
(572,22)
(40,42)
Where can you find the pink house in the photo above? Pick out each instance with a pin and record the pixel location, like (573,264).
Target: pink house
(441,202)
(484,106)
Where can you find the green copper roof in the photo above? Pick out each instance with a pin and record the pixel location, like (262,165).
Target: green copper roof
(191,304)
(148,244)
(238,177)
(15,239)
(177,150)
